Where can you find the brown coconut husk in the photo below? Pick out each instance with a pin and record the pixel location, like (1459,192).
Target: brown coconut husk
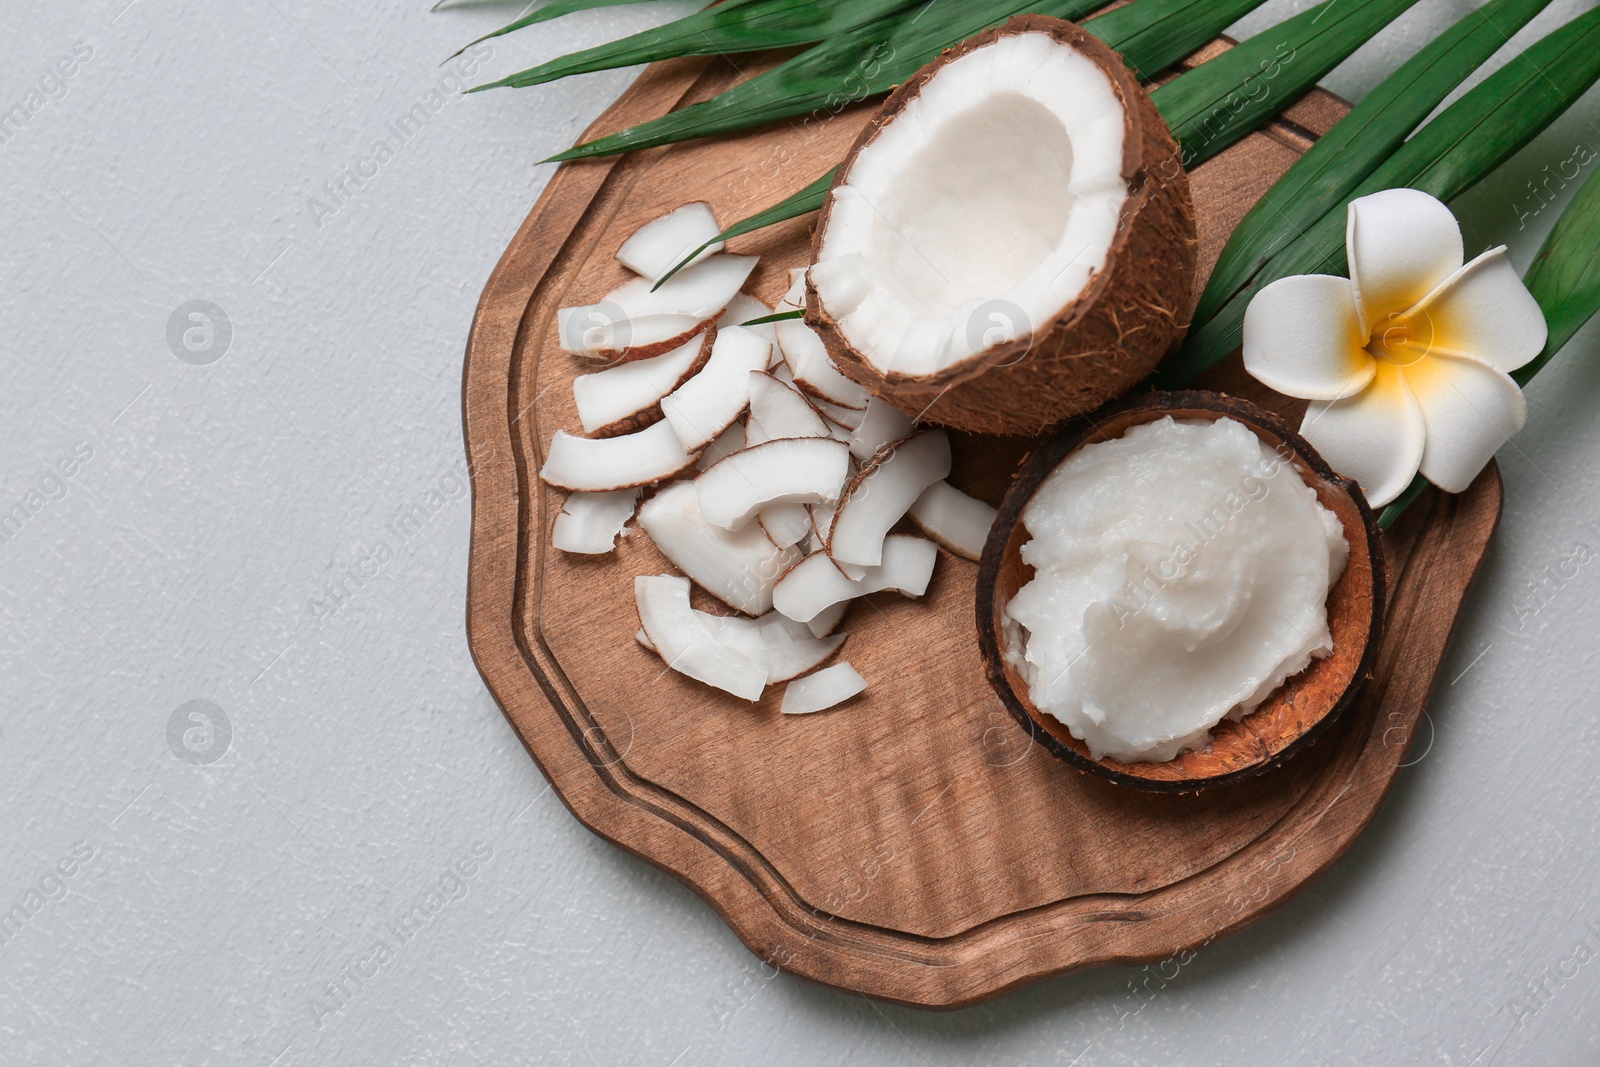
(1127,318)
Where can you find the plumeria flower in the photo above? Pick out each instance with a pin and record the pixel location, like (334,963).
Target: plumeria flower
(1406,363)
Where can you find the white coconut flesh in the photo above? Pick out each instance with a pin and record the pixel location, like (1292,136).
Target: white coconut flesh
(785,524)
(703,407)
(727,443)
(795,298)
(738,567)
(658,246)
(597,465)
(638,315)
(816,584)
(844,419)
(589,523)
(814,370)
(784,648)
(744,309)
(804,470)
(822,520)
(881,424)
(828,619)
(607,397)
(889,484)
(683,640)
(781,411)
(598,331)
(828,688)
(957,521)
(980,211)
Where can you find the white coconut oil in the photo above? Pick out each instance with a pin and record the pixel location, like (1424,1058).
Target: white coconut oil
(1181,574)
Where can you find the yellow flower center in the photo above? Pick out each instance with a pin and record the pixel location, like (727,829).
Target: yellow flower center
(1398,340)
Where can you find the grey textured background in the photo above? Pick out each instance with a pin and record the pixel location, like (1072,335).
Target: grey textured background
(213,504)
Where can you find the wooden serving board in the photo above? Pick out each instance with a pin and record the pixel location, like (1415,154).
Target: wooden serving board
(913,845)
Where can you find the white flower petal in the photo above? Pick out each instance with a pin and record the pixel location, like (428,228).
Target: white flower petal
(1302,337)
(1402,244)
(1485,311)
(1375,437)
(1469,409)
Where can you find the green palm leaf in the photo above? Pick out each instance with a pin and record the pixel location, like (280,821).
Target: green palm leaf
(832,75)
(1365,137)
(728,28)
(1445,158)
(1214,105)
(543,14)
(1565,276)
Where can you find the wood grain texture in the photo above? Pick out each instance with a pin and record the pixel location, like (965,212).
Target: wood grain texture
(915,845)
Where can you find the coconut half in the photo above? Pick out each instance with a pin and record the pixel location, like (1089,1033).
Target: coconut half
(1011,242)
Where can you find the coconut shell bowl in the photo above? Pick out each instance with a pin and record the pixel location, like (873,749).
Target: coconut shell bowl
(1298,712)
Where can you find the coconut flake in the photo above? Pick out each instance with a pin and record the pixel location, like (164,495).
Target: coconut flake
(629,395)
(738,567)
(813,369)
(638,321)
(816,583)
(844,419)
(810,587)
(785,524)
(784,648)
(957,521)
(828,619)
(881,494)
(828,688)
(686,644)
(744,309)
(882,424)
(657,247)
(589,523)
(601,331)
(731,440)
(782,411)
(703,407)
(806,470)
(795,298)
(592,465)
